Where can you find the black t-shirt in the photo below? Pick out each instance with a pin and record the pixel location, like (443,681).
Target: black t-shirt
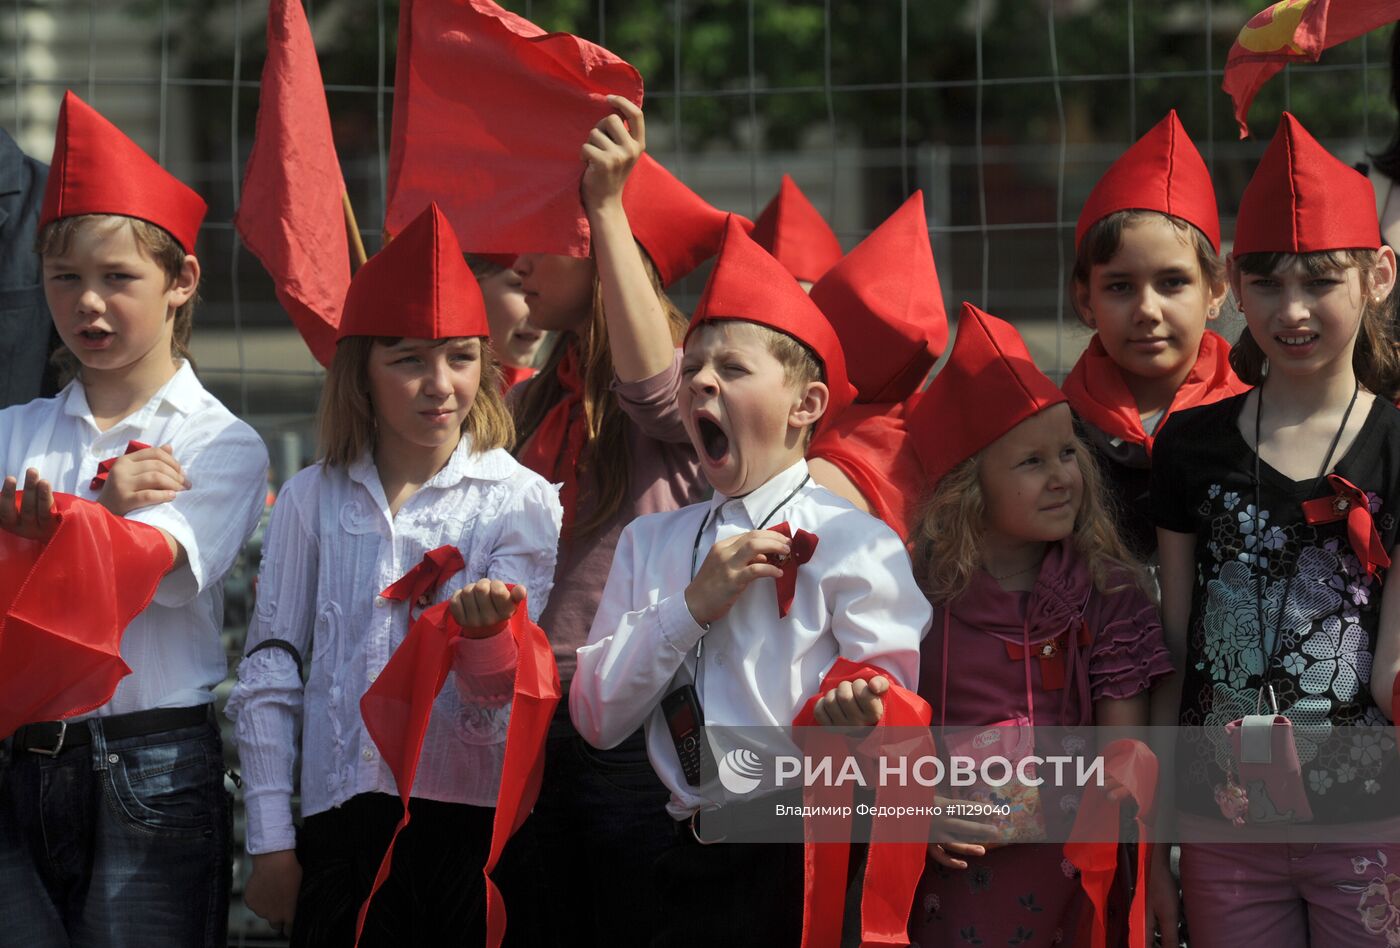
(1127,481)
(1322,646)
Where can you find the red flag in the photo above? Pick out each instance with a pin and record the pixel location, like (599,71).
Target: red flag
(490,113)
(66,602)
(1295,31)
(292,213)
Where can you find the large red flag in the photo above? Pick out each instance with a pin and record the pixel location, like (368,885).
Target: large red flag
(292,213)
(490,114)
(1295,31)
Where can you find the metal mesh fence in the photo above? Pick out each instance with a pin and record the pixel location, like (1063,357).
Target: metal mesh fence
(1004,111)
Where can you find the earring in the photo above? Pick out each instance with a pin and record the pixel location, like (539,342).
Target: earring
(1214,312)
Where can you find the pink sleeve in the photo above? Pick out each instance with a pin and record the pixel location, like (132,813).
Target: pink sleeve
(651,403)
(1129,653)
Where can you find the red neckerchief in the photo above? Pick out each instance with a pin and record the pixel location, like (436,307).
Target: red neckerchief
(554,449)
(512,376)
(104,468)
(1093,843)
(1098,394)
(396,709)
(1350,502)
(871,445)
(892,868)
(419,584)
(66,602)
(804,544)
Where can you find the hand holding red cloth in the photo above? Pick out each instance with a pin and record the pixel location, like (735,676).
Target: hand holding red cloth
(804,544)
(67,600)
(396,709)
(104,468)
(892,869)
(1352,503)
(1093,843)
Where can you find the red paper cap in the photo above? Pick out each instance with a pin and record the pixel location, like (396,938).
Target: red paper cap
(748,285)
(1302,199)
(96,169)
(677,227)
(988,386)
(417,286)
(794,232)
(886,306)
(1162,172)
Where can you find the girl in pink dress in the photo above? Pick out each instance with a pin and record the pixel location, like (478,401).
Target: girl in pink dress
(1041,618)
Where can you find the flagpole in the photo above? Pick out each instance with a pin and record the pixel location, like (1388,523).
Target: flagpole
(357,244)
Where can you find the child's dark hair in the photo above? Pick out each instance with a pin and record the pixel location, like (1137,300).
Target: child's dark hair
(1375,358)
(155,243)
(1102,240)
(346,416)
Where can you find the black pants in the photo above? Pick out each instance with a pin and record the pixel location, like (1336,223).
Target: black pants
(434,895)
(730,894)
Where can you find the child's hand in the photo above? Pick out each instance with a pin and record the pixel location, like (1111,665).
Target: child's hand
(853,703)
(610,151)
(958,838)
(271,892)
(141,479)
(728,569)
(33,519)
(481,607)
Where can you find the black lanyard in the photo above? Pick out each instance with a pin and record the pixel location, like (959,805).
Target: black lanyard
(1270,651)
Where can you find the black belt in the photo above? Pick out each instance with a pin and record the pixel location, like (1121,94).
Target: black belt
(52,738)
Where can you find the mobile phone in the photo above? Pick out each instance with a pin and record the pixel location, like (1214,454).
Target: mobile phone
(686,721)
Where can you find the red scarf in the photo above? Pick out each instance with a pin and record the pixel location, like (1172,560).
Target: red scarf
(1093,843)
(66,601)
(554,449)
(892,868)
(512,376)
(396,709)
(1098,394)
(871,445)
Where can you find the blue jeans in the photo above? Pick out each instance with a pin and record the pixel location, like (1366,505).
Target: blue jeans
(119,844)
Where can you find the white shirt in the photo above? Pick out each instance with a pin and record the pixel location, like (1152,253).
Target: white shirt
(331,547)
(173,647)
(856,598)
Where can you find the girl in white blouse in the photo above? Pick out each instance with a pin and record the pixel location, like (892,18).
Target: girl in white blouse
(413,438)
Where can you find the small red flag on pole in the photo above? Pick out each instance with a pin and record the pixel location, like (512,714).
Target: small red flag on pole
(1293,31)
(294,213)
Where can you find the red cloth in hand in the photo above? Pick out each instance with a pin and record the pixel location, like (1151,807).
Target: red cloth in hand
(803,546)
(396,709)
(1352,503)
(1093,843)
(420,583)
(99,480)
(892,869)
(66,601)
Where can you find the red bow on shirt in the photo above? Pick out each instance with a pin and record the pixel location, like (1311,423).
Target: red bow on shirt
(803,546)
(1093,842)
(553,451)
(1351,502)
(892,868)
(105,467)
(396,709)
(419,583)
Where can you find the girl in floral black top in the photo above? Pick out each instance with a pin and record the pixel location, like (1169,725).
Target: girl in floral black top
(1277,514)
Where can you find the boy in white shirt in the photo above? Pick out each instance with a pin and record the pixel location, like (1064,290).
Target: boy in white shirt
(114,826)
(762,367)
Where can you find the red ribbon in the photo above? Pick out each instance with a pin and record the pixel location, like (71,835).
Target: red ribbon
(553,451)
(803,546)
(1351,502)
(892,869)
(105,467)
(419,583)
(66,602)
(1093,843)
(396,709)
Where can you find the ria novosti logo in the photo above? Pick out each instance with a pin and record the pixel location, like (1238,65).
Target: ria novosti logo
(740,771)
